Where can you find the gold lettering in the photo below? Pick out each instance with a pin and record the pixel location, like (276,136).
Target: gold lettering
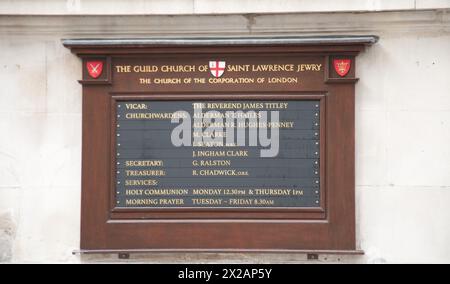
(135,202)
(123,68)
(238,68)
(239,153)
(145,69)
(309,67)
(155,115)
(282,80)
(240,201)
(178,68)
(131,173)
(205,201)
(207,191)
(240,80)
(144,163)
(136,106)
(141,182)
(167,81)
(273,68)
(171,201)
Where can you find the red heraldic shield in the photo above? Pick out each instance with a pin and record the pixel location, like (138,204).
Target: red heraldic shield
(342,66)
(95,68)
(217,68)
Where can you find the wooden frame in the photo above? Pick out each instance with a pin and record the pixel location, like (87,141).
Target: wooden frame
(328,228)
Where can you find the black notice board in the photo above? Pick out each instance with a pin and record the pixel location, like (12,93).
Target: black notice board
(153,173)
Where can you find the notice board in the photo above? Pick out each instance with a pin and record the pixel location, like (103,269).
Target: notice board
(219,144)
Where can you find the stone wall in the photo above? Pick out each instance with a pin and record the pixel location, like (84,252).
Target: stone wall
(188,7)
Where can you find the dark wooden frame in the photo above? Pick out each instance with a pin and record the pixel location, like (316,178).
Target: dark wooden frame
(330,229)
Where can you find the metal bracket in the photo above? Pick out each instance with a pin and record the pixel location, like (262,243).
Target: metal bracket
(124,255)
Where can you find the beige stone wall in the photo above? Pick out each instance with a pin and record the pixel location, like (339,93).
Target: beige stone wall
(402,134)
(187,7)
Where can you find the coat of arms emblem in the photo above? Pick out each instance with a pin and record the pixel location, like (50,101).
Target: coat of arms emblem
(95,68)
(342,66)
(217,68)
